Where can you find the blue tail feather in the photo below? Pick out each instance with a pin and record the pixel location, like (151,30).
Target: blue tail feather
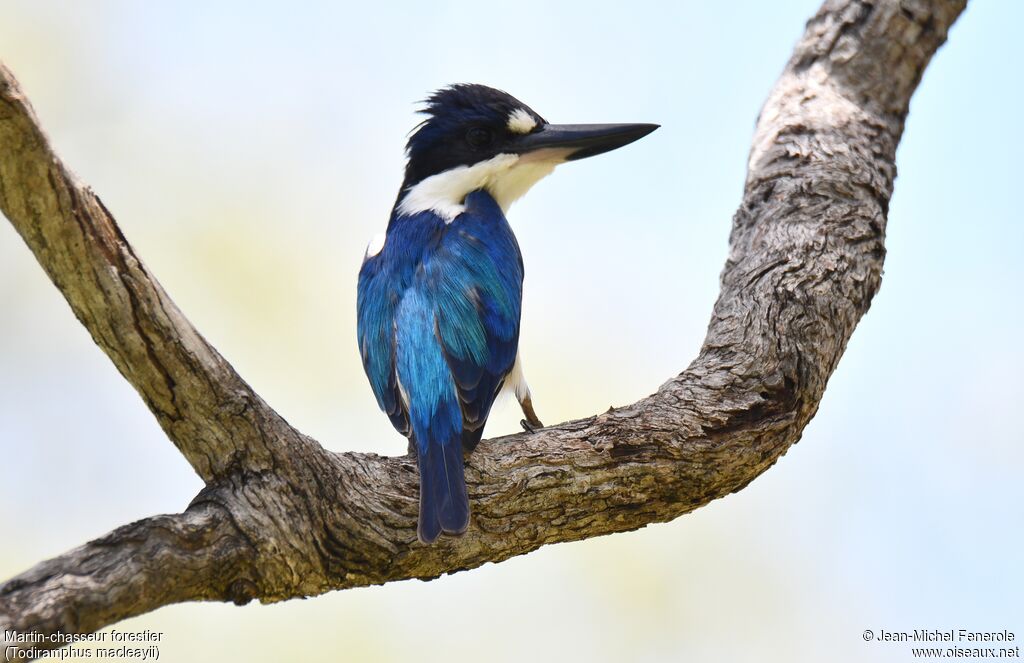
(444,503)
(435,418)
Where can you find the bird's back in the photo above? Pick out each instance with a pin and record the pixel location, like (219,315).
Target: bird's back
(438,315)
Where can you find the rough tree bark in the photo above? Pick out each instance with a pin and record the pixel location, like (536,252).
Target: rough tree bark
(281,517)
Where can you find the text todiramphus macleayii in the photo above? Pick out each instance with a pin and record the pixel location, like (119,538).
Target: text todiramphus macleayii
(440,293)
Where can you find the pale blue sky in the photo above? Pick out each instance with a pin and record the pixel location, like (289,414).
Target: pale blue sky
(250,150)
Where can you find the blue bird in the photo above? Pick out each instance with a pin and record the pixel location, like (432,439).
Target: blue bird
(440,294)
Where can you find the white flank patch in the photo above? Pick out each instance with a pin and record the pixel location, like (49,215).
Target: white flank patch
(521,122)
(516,382)
(402,393)
(506,177)
(375,246)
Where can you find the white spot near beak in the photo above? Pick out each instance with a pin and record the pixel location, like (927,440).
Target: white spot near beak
(521,122)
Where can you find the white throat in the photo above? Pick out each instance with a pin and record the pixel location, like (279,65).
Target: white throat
(506,177)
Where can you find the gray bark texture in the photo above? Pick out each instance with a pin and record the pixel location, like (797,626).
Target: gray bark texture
(281,517)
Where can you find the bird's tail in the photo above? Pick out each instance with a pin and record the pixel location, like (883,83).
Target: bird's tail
(444,504)
(436,419)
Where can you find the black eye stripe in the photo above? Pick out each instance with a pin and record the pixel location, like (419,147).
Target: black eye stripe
(478,137)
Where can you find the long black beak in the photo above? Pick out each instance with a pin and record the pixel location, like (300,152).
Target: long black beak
(583,140)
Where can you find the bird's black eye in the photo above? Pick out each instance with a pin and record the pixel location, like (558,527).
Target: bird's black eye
(479,137)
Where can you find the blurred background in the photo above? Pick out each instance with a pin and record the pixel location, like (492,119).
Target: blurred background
(249,152)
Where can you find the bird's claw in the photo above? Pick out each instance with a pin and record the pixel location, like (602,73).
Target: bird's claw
(531,424)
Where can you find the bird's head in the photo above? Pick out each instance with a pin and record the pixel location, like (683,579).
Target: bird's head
(476,137)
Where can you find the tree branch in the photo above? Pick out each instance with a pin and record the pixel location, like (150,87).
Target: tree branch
(281,517)
(139,567)
(207,410)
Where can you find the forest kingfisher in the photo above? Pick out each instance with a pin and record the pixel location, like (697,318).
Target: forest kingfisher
(440,294)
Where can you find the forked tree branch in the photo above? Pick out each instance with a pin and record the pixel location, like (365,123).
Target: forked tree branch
(280,517)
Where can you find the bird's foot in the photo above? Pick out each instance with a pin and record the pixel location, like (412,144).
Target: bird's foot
(531,423)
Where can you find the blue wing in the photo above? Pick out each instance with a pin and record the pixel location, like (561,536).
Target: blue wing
(476,281)
(377,298)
